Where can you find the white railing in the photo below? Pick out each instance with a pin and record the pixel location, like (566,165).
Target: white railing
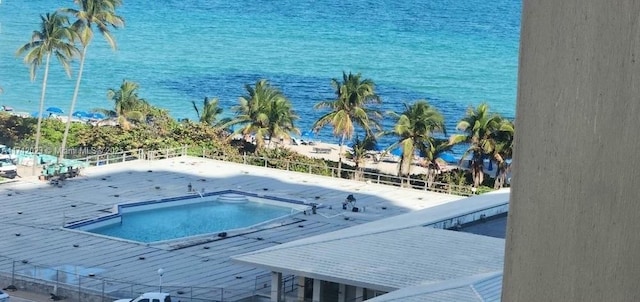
(345,172)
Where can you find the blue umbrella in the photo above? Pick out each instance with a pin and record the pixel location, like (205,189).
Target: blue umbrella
(81,114)
(55,110)
(308,134)
(448,157)
(97,115)
(397,151)
(35,114)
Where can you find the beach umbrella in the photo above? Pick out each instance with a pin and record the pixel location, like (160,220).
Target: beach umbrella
(448,157)
(307,135)
(81,114)
(55,110)
(397,151)
(97,115)
(35,114)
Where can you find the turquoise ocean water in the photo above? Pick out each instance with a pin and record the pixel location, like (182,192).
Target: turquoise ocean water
(453,53)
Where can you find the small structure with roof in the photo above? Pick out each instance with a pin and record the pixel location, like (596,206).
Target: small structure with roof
(401,258)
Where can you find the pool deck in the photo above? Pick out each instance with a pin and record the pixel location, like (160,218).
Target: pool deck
(37,211)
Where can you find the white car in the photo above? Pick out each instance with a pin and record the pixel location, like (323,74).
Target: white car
(4,297)
(147,297)
(7,168)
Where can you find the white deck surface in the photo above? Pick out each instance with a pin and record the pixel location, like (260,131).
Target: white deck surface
(37,211)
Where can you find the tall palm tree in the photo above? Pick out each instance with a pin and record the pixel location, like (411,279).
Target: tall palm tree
(89,14)
(480,128)
(438,147)
(414,128)
(210,111)
(281,119)
(264,112)
(503,151)
(358,154)
(349,108)
(54,38)
(127,105)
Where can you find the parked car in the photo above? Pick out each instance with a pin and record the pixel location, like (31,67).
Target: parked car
(7,168)
(148,297)
(4,297)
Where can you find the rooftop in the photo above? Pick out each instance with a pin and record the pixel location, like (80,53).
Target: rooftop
(412,260)
(33,213)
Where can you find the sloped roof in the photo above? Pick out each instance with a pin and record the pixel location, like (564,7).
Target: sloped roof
(385,260)
(480,288)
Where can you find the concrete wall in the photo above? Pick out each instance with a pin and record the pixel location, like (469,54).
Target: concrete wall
(574,223)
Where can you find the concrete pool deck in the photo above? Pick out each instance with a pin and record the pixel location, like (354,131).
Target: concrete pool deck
(33,212)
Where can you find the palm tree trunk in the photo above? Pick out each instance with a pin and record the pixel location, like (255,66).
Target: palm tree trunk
(340,155)
(73,104)
(39,127)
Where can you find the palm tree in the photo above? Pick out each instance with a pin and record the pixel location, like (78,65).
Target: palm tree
(90,13)
(438,147)
(414,128)
(349,108)
(480,128)
(210,111)
(358,154)
(264,112)
(281,119)
(127,104)
(54,38)
(503,151)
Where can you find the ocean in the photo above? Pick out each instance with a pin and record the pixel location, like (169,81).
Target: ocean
(453,53)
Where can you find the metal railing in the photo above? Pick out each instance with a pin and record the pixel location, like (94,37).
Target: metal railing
(346,172)
(83,285)
(112,158)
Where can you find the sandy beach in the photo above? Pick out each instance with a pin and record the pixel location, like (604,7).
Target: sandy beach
(327,151)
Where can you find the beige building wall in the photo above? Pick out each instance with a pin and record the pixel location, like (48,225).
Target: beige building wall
(574,224)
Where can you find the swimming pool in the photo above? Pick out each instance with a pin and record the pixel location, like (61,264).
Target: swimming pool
(174,218)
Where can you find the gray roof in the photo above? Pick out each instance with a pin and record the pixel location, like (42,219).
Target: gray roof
(37,211)
(479,288)
(385,260)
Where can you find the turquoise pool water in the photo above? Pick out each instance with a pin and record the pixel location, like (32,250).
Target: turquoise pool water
(172,222)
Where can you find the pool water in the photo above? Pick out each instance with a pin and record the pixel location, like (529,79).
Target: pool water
(190,220)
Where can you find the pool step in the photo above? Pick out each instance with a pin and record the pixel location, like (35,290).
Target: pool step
(233,198)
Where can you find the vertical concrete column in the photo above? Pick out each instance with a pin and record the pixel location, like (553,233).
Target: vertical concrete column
(572,231)
(317,290)
(276,287)
(301,283)
(342,292)
(359,294)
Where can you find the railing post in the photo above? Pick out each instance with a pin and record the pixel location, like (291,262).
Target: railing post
(265,161)
(244,158)
(13,273)
(124,156)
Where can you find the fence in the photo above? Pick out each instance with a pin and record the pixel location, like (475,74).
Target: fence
(369,176)
(73,283)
